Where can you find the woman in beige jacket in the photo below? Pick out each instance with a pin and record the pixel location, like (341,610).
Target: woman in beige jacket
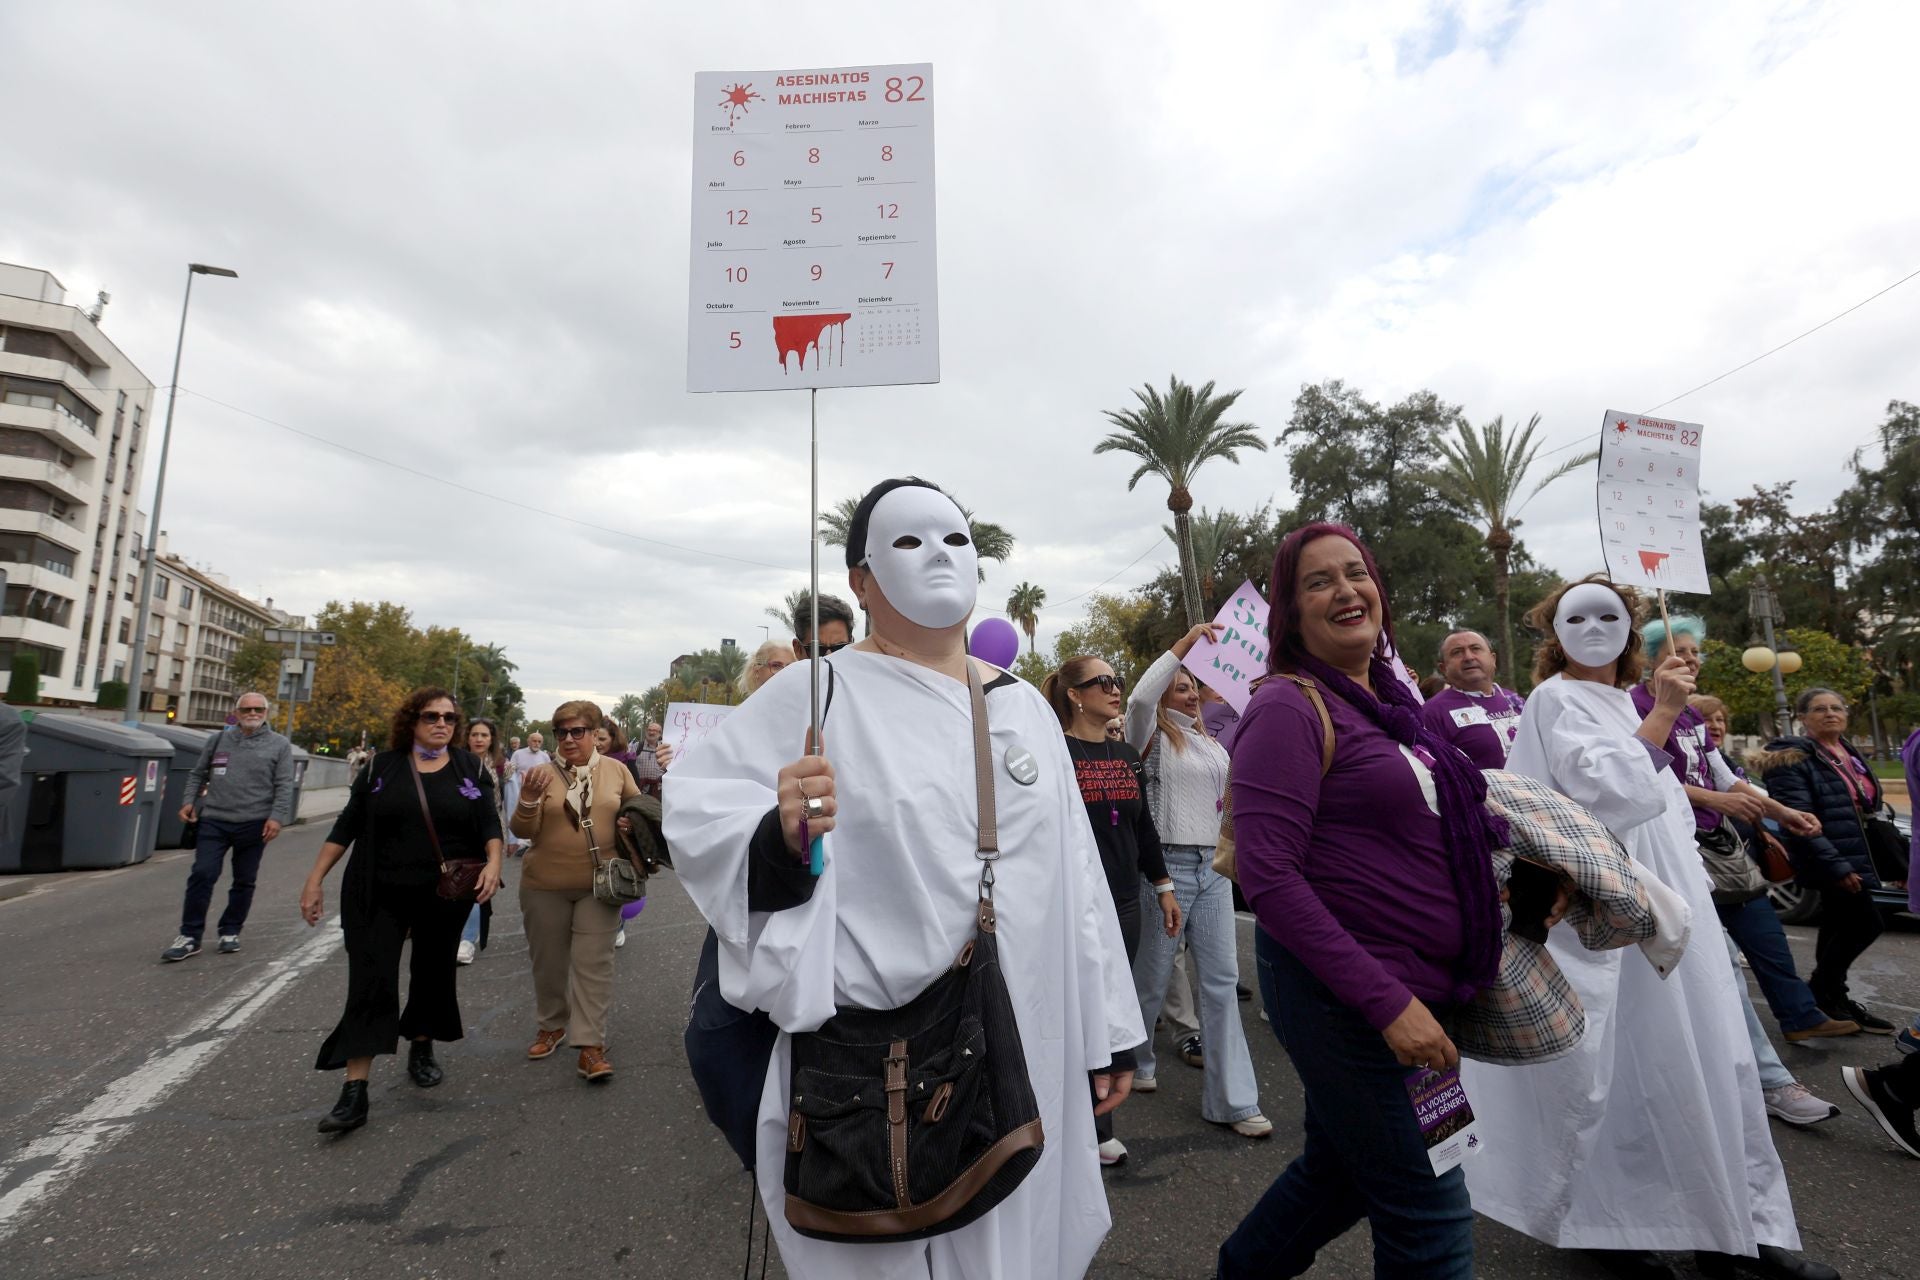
(569,931)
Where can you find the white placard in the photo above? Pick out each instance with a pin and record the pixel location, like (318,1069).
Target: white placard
(813,229)
(688,724)
(1648,495)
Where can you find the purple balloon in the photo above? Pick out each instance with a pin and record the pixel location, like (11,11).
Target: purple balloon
(632,909)
(996,641)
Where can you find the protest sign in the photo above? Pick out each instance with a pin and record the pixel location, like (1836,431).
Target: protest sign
(688,723)
(1648,498)
(1440,1107)
(1231,665)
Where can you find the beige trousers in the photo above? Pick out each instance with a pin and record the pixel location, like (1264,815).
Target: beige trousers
(570,941)
(1179,1011)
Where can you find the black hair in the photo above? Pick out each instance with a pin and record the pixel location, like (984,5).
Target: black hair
(832,609)
(863,516)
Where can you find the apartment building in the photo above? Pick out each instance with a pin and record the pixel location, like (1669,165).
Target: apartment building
(197,623)
(74,413)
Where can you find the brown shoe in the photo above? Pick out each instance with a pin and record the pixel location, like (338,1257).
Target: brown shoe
(594,1066)
(1831,1027)
(545,1043)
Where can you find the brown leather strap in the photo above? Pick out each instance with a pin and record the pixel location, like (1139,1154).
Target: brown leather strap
(1312,691)
(983,764)
(426,814)
(896,1085)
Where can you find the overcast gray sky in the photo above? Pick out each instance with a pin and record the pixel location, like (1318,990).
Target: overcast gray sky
(461,232)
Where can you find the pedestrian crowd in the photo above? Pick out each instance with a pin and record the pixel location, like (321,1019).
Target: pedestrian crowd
(947,932)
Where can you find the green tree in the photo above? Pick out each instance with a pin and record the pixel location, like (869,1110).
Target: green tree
(1111,630)
(1484,475)
(1024,606)
(630,713)
(1174,436)
(23,682)
(112,695)
(255,667)
(1032,668)
(1825,663)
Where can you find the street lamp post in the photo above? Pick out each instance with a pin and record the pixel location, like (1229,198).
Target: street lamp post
(139,671)
(1764,608)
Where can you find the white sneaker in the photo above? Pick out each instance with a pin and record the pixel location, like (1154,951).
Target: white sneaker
(620,938)
(1112,1153)
(1794,1104)
(1145,1084)
(1254,1126)
(466,953)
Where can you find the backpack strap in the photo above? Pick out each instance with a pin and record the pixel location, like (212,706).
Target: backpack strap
(1312,690)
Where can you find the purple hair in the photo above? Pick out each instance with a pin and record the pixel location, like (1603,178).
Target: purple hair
(1470,833)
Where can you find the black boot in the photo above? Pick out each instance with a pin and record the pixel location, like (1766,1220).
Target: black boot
(1632,1264)
(348,1113)
(1773,1261)
(421,1068)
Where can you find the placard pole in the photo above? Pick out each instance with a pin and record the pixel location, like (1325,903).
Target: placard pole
(1666,621)
(816,853)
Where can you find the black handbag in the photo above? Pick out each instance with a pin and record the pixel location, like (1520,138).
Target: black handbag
(911,1122)
(459,881)
(1888,849)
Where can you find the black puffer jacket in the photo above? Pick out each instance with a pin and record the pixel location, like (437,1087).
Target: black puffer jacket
(1801,776)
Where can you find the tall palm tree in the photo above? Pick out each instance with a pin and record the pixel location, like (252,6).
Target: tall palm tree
(1173,435)
(630,713)
(1483,475)
(792,605)
(1213,535)
(1024,606)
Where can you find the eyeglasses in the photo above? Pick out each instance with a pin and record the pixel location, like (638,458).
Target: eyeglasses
(252,711)
(439,717)
(1108,684)
(577,731)
(771,666)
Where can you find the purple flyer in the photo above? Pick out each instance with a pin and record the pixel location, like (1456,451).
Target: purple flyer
(1444,1115)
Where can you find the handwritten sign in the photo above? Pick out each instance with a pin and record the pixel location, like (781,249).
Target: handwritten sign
(688,723)
(1230,666)
(1648,497)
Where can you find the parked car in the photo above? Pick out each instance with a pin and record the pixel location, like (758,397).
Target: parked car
(1796,904)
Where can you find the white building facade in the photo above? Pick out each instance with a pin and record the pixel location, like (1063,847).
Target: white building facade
(197,623)
(74,413)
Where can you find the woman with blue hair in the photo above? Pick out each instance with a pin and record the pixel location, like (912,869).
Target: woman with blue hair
(1727,810)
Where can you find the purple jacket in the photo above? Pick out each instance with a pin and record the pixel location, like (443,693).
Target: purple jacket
(1910,757)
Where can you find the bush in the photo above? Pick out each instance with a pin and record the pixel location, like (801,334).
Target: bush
(23,686)
(113,695)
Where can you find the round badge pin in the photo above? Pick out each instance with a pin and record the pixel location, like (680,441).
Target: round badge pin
(1021,764)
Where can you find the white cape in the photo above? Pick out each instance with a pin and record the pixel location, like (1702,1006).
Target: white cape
(1652,1134)
(901,742)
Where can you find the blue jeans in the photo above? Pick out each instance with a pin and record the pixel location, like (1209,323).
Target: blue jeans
(1363,1155)
(471,933)
(1773,1072)
(1756,930)
(217,836)
(1228,1091)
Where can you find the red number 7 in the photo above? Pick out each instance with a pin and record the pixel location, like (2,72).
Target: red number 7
(889,273)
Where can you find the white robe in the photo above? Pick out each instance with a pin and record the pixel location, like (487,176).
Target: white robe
(1652,1134)
(901,743)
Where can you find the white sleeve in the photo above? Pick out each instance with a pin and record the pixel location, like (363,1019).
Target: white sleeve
(1724,778)
(779,961)
(1611,773)
(1145,701)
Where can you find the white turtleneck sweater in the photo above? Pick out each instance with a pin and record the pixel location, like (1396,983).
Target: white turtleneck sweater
(1183,788)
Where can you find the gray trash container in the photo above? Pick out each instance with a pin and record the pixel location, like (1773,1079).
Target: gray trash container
(187,745)
(93,792)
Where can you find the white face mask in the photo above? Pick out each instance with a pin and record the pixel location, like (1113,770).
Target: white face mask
(921,554)
(1593,624)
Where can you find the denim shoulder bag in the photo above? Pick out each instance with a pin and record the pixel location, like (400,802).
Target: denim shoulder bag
(911,1122)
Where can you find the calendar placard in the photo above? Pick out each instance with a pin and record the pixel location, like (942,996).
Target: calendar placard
(1648,497)
(813,229)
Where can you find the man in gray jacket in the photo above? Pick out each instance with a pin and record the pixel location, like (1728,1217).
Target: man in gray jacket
(247,770)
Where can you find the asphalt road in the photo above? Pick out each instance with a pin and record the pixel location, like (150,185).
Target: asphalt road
(158,1120)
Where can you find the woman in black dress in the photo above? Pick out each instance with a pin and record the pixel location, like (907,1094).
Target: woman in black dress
(1086,694)
(389,894)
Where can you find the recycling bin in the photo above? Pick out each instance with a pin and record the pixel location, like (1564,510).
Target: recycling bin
(187,745)
(93,794)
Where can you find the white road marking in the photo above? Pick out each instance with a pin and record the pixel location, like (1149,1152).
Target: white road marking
(58,1157)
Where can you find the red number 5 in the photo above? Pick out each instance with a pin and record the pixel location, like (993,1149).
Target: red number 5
(733,339)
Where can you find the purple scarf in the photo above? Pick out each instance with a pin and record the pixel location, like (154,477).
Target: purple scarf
(1470,833)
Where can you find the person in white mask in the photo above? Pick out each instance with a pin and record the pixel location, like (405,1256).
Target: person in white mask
(1652,1134)
(898,897)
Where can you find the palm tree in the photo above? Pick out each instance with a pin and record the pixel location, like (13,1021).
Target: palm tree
(1483,476)
(1214,534)
(990,541)
(792,605)
(1173,435)
(630,713)
(1024,606)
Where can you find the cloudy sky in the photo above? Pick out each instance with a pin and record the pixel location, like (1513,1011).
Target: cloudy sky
(462,238)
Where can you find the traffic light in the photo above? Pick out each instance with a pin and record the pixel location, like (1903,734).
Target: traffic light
(173,710)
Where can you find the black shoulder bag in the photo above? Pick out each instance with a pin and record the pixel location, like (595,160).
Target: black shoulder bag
(459,880)
(912,1122)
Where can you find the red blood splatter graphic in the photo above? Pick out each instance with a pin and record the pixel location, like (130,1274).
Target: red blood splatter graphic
(796,335)
(738,96)
(1653,563)
(1621,427)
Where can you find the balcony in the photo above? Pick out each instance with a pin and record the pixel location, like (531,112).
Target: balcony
(34,631)
(62,481)
(67,532)
(70,435)
(70,323)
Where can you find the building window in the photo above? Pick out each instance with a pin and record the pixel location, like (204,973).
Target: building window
(41,606)
(179,670)
(52,661)
(38,393)
(26,548)
(42,345)
(179,635)
(126,631)
(186,597)
(160,581)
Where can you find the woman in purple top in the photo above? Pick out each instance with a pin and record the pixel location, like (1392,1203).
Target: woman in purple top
(1378,913)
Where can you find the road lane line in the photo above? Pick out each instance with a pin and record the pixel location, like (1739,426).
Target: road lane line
(49,1163)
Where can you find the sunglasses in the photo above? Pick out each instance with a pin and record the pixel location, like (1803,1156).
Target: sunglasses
(439,717)
(1108,684)
(252,711)
(826,649)
(577,731)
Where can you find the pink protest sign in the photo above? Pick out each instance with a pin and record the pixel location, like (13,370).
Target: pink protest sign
(1230,665)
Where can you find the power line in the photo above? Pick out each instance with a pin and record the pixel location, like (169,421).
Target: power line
(1756,360)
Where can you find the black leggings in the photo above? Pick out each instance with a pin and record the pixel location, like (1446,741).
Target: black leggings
(373,1021)
(1849,922)
(1129,913)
